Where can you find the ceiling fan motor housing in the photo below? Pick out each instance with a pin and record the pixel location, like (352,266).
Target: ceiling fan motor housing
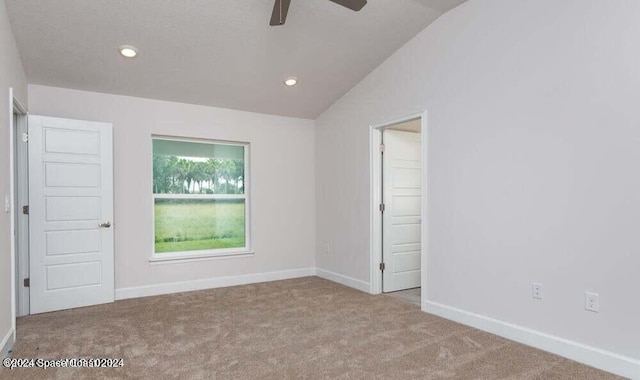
(281,8)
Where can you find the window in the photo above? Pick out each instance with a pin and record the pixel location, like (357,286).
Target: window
(201,197)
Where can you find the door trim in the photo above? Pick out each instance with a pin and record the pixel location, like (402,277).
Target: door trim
(375,220)
(14,107)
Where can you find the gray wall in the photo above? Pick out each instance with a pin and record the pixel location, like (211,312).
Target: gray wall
(282,154)
(11,76)
(533,152)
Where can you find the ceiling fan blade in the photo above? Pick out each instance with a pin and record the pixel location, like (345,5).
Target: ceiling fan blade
(280,10)
(355,5)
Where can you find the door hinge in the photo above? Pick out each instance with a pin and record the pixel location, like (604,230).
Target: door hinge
(381,207)
(27,282)
(381,148)
(382,266)
(25,137)
(25,210)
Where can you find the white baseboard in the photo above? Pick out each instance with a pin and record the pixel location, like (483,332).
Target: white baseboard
(595,357)
(6,344)
(210,283)
(344,280)
(220,282)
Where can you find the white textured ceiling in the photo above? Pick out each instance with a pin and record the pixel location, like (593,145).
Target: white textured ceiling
(221,53)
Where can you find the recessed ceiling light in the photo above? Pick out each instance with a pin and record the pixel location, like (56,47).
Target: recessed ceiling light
(128,51)
(291,81)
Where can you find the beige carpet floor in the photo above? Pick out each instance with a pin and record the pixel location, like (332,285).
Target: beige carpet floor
(305,328)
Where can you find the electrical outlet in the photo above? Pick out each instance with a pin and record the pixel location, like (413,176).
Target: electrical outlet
(591,302)
(327,248)
(536,291)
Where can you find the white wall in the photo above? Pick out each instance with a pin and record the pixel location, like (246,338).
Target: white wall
(11,75)
(282,154)
(533,154)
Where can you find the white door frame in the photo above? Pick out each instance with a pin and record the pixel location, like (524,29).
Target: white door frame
(375,222)
(14,107)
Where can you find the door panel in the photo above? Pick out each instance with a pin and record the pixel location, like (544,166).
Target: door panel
(405,234)
(70,141)
(72,209)
(71,242)
(406,261)
(71,175)
(406,205)
(70,194)
(402,190)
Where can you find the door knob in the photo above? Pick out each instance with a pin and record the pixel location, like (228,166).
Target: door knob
(105,225)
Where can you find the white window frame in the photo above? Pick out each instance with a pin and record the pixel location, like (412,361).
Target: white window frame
(247,196)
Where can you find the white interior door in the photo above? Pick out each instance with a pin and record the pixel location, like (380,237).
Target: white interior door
(401,220)
(70,213)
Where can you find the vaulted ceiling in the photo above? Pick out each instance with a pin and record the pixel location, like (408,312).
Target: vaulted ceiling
(220,53)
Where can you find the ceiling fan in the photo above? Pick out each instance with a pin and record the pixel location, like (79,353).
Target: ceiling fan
(281,7)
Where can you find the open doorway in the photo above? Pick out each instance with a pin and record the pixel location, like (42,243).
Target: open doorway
(398,217)
(61,212)
(61,208)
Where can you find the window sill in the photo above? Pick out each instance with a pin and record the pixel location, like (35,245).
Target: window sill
(182,258)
